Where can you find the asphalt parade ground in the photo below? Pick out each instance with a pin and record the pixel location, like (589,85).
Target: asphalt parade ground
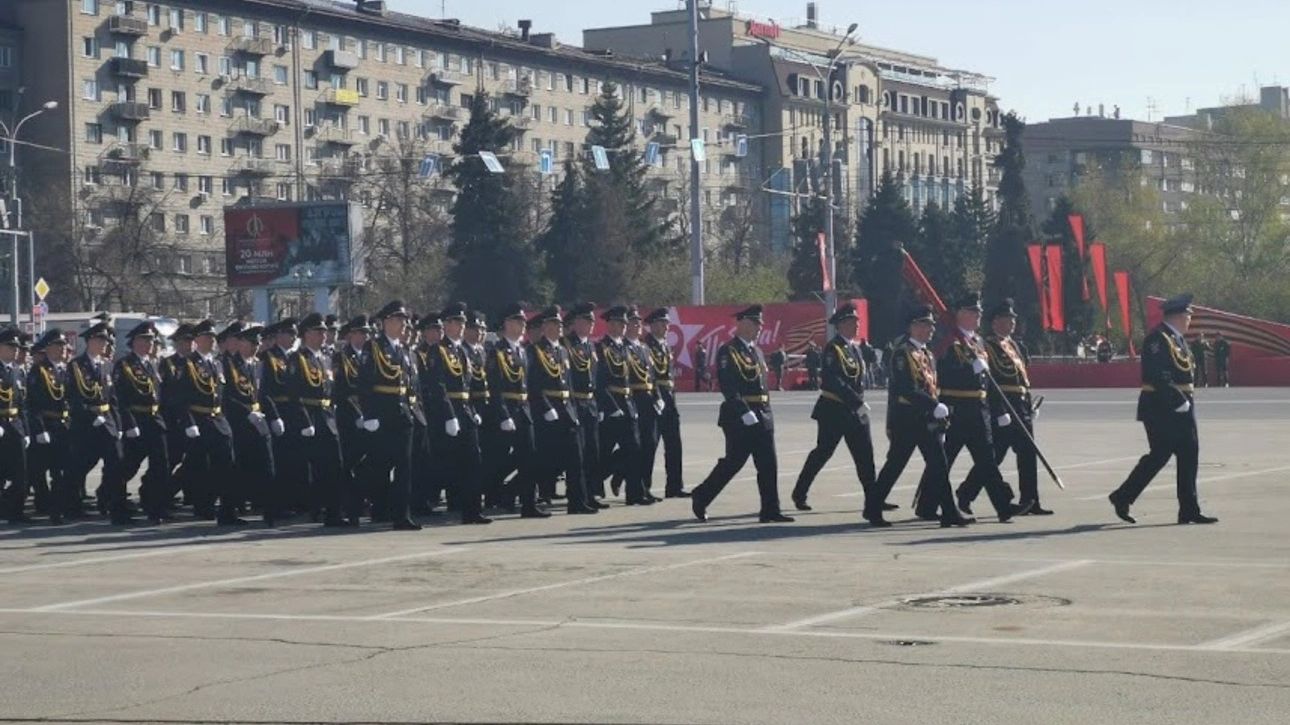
(643,615)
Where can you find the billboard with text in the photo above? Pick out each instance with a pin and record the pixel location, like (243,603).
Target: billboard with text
(293,245)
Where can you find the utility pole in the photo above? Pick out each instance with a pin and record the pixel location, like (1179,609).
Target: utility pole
(696,212)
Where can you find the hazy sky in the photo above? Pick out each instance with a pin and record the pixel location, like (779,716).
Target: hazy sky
(1045,56)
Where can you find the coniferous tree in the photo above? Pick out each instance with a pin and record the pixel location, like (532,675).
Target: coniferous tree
(1007,269)
(585,260)
(804,272)
(886,225)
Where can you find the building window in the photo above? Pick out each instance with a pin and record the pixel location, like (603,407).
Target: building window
(207,225)
(382,90)
(311,118)
(311,80)
(226,147)
(383,126)
(365,125)
(90,47)
(155,140)
(282,152)
(181,142)
(204,145)
(401,93)
(6,56)
(380,52)
(178,101)
(93,133)
(226,187)
(90,7)
(308,39)
(183,262)
(223,23)
(90,89)
(284,192)
(280,74)
(181,182)
(282,114)
(176,59)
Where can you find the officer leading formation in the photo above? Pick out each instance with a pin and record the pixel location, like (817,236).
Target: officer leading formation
(399,417)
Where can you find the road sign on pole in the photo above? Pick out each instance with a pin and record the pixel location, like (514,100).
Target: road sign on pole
(42,289)
(698,150)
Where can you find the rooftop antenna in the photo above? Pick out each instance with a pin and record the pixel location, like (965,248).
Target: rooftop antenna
(1151,109)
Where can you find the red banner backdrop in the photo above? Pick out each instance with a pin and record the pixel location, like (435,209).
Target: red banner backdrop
(1037,269)
(1122,290)
(1097,257)
(1077,228)
(921,286)
(1056,306)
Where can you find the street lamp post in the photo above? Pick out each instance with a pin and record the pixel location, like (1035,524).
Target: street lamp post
(11,140)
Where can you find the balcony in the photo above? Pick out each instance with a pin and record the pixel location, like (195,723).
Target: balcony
(343,168)
(520,87)
(252,46)
(251,166)
(341,59)
(736,121)
(124,154)
(665,139)
(250,86)
(126,195)
(131,111)
(127,25)
(659,114)
(442,147)
(334,134)
(340,97)
(447,77)
(453,114)
(522,123)
(255,126)
(128,67)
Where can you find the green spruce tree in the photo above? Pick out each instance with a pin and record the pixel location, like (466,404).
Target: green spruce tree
(886,225)
(804,272)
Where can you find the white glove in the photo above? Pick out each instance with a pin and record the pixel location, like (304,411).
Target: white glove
(478,420)
(116,435)
(940,412)
(192,431)
(508,425)
(1004,420)
(26,441)
(659,405)
(132,433)
(979,366)
(255,416)
(371,426)
(600,417)
(308,432)
(1,431)
(1184,408)
(99,421)
(43,438)
(277,426)
(551,416)
(452,427)
(750,418)
(616,414)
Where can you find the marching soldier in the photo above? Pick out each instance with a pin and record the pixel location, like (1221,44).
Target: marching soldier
(1222,360)
(47,420)
(311,420)
(430,483)
(581,320)
(559,444)
(448,375)
(208,460)
(841,411)
(916,419)
(1167,410)
(138,395)
(511,446)
(648,406)
(171,368)
(347,360)
(390,416)
(745,420)
(252,439)
(963,372)
(95,429)
(1008,368)
(700,366)
(619,436)
(274,395)
(668,426)
(14,433)
(331,334)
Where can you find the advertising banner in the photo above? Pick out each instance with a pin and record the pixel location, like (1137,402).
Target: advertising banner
(293,245)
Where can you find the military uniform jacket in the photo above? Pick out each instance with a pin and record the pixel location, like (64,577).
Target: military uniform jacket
(448,374)
(661,365)
(479,397)
(241,388)
(583,361)
(640,370)
(741,375)
(309,392)
(549,382)
(345,362)
(1008,367)
(13,399)
(200,392)
(614,378)
(960,385)
(171,368)
(1168,371)
(47,409)
(507,367)
(388,383)
(841,380)
(89,393)
(274,391)
(912,391)
(138,391)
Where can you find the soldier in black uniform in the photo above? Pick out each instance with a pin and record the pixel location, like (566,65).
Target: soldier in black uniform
(47,421)
(916,419)
(330,335)
(171,368)
(668,427)
(347,359)
(209,457)
(700,367)
(1222,360)
(387,384)
(252,439)
(963,374)
(1008,368)
(1167,410)
(288,470)
(841,411)
(619,436)
(310,419)
(648,404)
(745,419)
(510,445)
(558,442)
(95,430)
(138,396)
(430,482)
(14,434)
(581,320)
(812,360)
(450,415)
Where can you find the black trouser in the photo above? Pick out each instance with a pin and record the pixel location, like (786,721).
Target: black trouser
(209,464)
(46,464)
(935,485)
(176,449)
(86,448)
(970,428)
(647,430)
(289,471)
(559,446)
(155,489)
(589,432)
(319,462)
(668,429)
(465,467)
(353,441)
(1168,437)
(1011,438)
(1223,378)
(742,441)
(13,468)
(829,432)
(256,477)
(620,445)
(387,472)
(508,451)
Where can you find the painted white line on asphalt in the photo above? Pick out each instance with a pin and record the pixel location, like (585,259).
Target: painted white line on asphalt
(853,612)
(120,557)
(244,579)
(1170,471)
(560,585)
(1249,637)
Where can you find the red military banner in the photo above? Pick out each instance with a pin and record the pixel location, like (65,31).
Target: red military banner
(1056,304)
(1097,257)
(1123,290)
(1077,229)
(1036,255)
(921,286)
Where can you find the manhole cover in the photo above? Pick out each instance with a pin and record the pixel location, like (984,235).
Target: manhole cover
(970,601)
(909,643)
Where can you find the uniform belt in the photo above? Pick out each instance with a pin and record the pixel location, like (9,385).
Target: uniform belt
(390,389)
(458,396)
(1183,388)
(54,415)
(583,396)
(280,399)
(964,394)
(145,409)
(98,408)
(663,383)
(255,407)
(316,402)
(756,398)
(515,396)
(1015,389)
(8,412)
(617,390)
(479,395)
(832,396)
(206,410)
(643,387)
(561,394)
(412,399)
